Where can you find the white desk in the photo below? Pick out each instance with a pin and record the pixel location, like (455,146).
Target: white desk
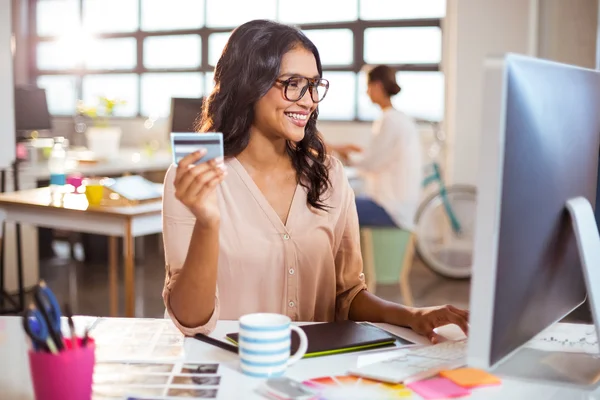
(37,208)
(129,160)
(16,384)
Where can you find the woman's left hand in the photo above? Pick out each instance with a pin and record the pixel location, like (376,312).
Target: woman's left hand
(425,320)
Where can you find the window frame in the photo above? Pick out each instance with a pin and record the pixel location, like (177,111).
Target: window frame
(357,27)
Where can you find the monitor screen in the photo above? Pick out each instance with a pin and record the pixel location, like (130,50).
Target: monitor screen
(31,109)
(539,149)
(185,112)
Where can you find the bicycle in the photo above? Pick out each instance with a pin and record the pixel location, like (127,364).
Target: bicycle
(444,222)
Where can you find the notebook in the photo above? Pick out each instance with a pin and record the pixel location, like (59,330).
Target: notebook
(337,337)
(135,188)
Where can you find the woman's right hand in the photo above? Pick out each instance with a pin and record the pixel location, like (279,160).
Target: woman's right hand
(195,186)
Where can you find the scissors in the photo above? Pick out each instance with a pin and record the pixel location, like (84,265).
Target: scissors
(47,305)
(36,328)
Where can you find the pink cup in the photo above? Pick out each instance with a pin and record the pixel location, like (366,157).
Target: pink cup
(63,376)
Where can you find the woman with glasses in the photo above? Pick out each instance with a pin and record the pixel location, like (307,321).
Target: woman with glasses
(273,226)
(392,165)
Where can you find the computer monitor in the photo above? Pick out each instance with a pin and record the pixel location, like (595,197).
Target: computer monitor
(31,109)
(539,150)
(185,113)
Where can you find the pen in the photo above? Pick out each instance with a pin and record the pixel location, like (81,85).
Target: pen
(37,329)
(48,306)
(216,342)
(71,326)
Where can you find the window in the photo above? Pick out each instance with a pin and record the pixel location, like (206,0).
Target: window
(421,96)
(403,45)
(158,88)
(110,16)
(401,9)
(61,93)
(231,13)
(118,86)
(336,46)
(147,51)
(341,96)
(216,44)
(315,11)
(172,15)
(175,51)
(111,54)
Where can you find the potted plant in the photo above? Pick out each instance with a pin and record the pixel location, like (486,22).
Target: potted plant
(102,139)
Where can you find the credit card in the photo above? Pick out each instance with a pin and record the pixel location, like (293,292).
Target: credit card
(183,143)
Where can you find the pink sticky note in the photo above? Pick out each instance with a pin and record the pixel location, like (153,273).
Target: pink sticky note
(438,388)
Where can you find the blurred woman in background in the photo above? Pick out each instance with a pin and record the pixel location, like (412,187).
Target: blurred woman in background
(391,166)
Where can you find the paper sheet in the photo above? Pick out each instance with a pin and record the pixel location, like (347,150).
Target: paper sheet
(470,377)
(570,338)
(438,388)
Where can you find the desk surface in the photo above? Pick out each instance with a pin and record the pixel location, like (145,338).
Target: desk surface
(42,198)
(161,348)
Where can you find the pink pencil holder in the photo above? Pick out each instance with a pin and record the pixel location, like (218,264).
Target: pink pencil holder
(63,376)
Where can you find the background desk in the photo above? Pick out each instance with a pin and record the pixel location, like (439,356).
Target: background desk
(35,207)
(112,335)
(34,175)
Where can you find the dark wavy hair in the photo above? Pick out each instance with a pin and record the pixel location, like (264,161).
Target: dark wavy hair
(246,71)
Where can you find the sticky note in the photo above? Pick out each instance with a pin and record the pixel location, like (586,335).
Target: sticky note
(438,388)
(471,377)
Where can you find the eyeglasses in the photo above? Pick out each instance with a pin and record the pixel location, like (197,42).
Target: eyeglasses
(295,88)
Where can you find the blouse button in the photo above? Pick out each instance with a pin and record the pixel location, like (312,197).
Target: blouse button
(286,236)
(291,304)
(291,271)
(361,276)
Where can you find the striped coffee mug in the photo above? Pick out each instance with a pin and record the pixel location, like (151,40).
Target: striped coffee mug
(264,344)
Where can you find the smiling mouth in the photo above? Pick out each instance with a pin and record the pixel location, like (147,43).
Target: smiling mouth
(296,116)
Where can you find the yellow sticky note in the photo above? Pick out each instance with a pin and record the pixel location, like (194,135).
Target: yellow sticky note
(471,377)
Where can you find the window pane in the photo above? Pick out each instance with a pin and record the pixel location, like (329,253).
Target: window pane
(403,45)
(216,44)
(335,46)
(119,86)
(111,54)
(422,96)
(60,54)
(61,93)
(312,11)
(209,79)
(157,90)
(341,97)
(110,15)
(231,13)
(401,9)
(180,51)
(161,15)
(56,17)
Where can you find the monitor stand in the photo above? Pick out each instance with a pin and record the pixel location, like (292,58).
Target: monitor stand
(560,368)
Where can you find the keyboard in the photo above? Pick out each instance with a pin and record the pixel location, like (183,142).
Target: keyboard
(417,363)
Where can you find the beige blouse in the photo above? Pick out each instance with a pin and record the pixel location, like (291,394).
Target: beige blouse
(309,269)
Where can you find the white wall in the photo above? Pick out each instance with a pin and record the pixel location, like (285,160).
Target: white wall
(476,29)
(7,107)
(567,31)
(559,30)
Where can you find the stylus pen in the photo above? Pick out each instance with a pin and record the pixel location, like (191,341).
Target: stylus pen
(216,342)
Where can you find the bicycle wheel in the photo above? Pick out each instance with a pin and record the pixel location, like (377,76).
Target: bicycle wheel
(443,250)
